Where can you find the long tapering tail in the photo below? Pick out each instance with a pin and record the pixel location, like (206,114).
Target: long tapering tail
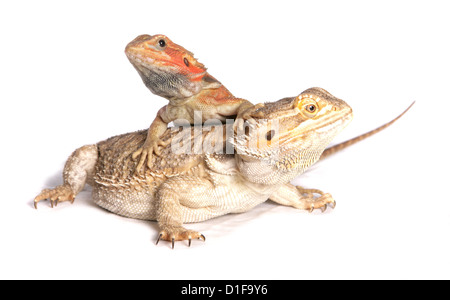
(339,147)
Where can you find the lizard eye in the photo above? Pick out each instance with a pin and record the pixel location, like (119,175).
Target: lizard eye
(311,108)
(186,62)
(162,43)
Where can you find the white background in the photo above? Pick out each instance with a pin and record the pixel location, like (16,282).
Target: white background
(66,82)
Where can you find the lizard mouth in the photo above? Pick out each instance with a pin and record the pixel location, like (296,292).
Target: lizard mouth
(146,64)
(341,119)
(139,62)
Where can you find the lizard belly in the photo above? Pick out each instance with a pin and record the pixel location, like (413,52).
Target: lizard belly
(227,195)
(137,204)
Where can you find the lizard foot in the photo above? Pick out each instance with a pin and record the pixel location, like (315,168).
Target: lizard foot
(248,115)
(252,112)
(146,152)
(173,234)
(58,194)
(322,201)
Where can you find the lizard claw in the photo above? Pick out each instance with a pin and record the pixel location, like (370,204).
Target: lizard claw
(252,112)
(249,114)
(323,208)
(58,194)
(159,237)
(315,199)
(179,234)
(332,204)
(201,237)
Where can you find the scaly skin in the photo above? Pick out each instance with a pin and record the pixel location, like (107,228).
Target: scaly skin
(184,188)
(172,72)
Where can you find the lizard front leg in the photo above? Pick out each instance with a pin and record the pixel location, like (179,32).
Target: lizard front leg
(298,197)
(179,200)
(247,112)
(152,142)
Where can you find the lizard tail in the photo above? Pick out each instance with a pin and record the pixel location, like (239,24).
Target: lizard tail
(339,147)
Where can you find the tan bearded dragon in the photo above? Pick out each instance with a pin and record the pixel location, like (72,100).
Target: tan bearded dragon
(184,188)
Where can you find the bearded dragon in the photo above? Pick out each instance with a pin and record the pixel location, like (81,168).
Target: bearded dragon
(170,71)
(183,188)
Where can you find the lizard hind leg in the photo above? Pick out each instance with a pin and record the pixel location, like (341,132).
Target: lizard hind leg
(78,171)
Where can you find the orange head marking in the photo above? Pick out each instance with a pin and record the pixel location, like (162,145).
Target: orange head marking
(167,69)
(159,51)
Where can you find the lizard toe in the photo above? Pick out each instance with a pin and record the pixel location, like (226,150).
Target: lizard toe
(58,194)
(179,234)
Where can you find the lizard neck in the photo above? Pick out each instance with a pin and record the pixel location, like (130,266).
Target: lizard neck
(210,88)
(274,170)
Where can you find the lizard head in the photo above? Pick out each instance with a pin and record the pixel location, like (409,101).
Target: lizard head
(167,69)
(285,137)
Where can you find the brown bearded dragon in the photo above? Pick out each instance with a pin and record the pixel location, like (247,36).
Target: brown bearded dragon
(172,72)
(183,188)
